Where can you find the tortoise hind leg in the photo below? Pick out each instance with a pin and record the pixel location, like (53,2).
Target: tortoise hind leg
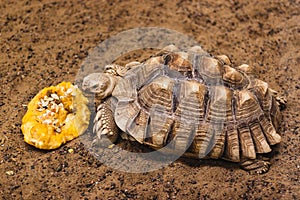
(104,125)
(281,101)
(260,165)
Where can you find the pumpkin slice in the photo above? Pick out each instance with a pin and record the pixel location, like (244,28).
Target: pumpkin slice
(57,114)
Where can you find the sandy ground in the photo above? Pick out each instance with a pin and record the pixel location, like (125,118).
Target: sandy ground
(44,42)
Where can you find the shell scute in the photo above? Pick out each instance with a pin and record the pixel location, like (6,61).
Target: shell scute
(247,107)
(178,62)
(191,102)
(158,127)
(158,92)
(124,113)
(148,71)
(201,144)
(270,132)
(259,139)
(137,126)
(209,68)
(246,142)
(234,78)
(262,93)
(219,109)
(232,149)
(218,143)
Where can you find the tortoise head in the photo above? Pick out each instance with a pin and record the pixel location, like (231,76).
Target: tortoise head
(101,84)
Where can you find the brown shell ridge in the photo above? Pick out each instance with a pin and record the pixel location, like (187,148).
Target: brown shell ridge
(178,62)
(218,115)
(242,142)
(262,93)
(193,65)
(189,113)
(271,110)
(234,78)
(181,136)
(247,108)
(125,90)
(143,75)
(126,108)
(191,100)
(202,142)
(219,106)
(152,123)
(246,142)
(232,145)
(124,112)
(158,128)
(195,60)
(210,69)
(219,141)
(254,137)
(137,126)
(248,136)
(269,130)
(267,101)
(156,97)
(260,141)
(159,92)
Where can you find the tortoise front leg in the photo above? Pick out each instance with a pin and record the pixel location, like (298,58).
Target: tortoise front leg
(104,125)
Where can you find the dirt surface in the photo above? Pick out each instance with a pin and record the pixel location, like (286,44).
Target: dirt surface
(45,42)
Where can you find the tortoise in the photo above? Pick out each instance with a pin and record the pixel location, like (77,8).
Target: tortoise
(192,101)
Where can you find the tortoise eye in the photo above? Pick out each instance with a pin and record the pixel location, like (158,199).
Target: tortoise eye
(94,86)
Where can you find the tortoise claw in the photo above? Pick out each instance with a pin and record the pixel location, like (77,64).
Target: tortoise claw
(281,101)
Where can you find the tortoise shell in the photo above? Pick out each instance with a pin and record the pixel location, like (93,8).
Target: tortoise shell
(199,103)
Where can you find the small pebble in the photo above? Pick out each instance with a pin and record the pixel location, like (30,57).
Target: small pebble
(71,150)
(3,139)
(9,173)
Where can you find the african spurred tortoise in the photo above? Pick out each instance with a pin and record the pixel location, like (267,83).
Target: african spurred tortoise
(200,103)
